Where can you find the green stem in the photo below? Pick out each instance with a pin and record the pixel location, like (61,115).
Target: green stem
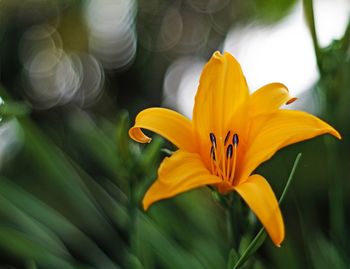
(289,181)
(232,212)
(310,19)
(261,235)
(336,197)
(345,41)
(253,246)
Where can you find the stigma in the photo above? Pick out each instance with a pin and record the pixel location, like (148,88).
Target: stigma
(223,156)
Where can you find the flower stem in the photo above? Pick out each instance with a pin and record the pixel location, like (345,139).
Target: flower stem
(261,235)
(310,19)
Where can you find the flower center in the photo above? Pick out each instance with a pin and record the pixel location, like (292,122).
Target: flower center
(223,155)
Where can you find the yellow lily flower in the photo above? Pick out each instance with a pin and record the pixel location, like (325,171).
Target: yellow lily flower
(230,135)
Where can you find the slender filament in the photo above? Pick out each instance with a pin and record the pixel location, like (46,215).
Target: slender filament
(223,156)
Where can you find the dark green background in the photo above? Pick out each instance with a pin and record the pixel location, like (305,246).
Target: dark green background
(70,194)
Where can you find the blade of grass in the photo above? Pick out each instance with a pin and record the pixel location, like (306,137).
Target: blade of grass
(291,175)
(28,248)
(261,235)
(30,226)
(171,255)
(91,141)
(70,235)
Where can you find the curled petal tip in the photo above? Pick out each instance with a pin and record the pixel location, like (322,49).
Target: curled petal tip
(282,86)
(145,207)
(217,55)
(146,203)
(170,124)
(136,134)
(336,134)
(278,241)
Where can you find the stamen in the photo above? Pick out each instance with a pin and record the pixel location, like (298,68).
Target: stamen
(214,162)
(235,139)
(229,161)
(233,166)
(212,139)
(223,159)
(227,137)
(235,144)
(229,151)
(212,153)
(212,166)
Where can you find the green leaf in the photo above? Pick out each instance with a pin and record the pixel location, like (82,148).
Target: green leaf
(170,254)
(122,137)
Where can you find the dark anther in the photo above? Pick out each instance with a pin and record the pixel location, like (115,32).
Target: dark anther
(229,151)
(212,153)
(235,139)
(227,137)
(212,139)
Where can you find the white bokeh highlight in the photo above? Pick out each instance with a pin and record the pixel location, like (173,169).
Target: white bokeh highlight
(279,53)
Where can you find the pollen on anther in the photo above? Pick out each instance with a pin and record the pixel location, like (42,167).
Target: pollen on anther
(229,151)
(227,137)
(235,139)
(291,100)
(212,139)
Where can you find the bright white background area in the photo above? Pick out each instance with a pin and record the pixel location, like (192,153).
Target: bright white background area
(279,53)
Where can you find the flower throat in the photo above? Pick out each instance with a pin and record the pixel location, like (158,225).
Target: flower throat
(223,156)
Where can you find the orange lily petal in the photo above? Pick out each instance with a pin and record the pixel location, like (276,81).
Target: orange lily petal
(171,125)
(269,98)
(222,88)
(273,131)
(266,99)
(257,193)
(181,172)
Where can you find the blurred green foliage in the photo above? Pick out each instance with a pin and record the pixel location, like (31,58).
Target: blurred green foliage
(72,182)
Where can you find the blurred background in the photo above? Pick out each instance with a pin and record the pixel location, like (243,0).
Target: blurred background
(73,75)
